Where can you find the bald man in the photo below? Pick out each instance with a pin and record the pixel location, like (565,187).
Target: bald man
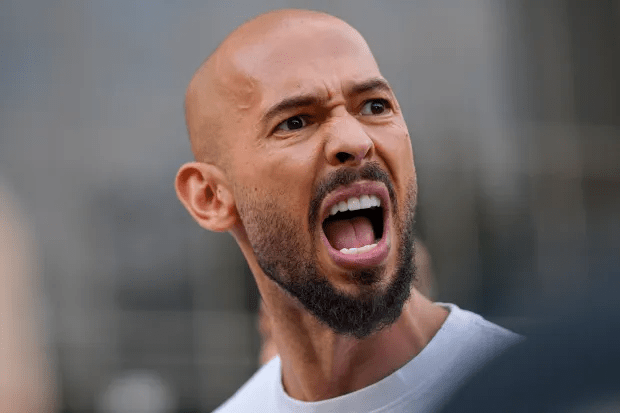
(303,156)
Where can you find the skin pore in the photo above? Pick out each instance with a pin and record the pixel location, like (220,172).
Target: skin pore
(282,258)
(291,106)
(423,283)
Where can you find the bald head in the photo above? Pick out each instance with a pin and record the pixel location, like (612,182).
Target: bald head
(225,86)
(290,113)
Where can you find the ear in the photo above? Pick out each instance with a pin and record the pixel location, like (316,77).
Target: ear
(203,189)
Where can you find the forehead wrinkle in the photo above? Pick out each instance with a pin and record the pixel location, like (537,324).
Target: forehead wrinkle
(368,85)
(315,99)
(223,89)
(290,103)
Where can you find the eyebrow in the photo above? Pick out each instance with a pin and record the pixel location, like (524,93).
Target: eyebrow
(292,102)
(308,99)
(370,85)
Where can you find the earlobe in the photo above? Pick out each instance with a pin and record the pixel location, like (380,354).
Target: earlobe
(203,190)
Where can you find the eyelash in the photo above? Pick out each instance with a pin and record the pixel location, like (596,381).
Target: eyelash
(307,118)
(386,103)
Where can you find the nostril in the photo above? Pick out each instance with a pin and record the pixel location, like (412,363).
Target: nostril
(343,156)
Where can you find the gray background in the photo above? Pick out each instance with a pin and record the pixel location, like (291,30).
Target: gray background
(514,113)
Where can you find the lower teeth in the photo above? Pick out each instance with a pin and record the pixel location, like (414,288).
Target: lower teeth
(359,250)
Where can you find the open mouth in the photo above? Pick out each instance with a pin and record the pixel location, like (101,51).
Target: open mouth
(356,225)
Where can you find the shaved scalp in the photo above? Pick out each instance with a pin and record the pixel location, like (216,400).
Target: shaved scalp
(220,90)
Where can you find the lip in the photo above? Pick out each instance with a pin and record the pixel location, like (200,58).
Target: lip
(377,255)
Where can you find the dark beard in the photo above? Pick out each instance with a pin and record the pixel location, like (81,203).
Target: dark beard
(284,259)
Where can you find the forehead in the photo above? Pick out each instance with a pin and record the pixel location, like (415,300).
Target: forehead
(324,56)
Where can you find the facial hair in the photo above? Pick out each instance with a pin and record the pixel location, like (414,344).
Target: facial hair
(289,259)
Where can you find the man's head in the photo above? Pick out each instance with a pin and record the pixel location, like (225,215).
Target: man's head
(302,153)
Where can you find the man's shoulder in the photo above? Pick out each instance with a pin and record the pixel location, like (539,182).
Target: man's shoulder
(466,341)
(464,344)
(473,327)
(258,393)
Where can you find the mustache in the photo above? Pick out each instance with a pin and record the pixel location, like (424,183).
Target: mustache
(371,171)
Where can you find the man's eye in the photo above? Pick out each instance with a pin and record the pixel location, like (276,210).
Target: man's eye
(375,107)
(296,122)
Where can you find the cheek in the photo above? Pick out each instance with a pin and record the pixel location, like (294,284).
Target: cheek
(403,140)
(394,145)
(283,181)
(291,172)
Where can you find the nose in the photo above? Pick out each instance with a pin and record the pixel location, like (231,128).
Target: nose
(347,143)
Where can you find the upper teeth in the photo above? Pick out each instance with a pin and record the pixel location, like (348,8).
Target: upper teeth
(355,203)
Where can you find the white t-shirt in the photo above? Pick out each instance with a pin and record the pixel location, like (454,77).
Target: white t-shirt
(462,345)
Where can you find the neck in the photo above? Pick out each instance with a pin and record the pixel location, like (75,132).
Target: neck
(318,364)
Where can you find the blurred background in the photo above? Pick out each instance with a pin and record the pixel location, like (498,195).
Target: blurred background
(514,112)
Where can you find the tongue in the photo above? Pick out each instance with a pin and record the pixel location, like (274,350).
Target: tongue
(349,233)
